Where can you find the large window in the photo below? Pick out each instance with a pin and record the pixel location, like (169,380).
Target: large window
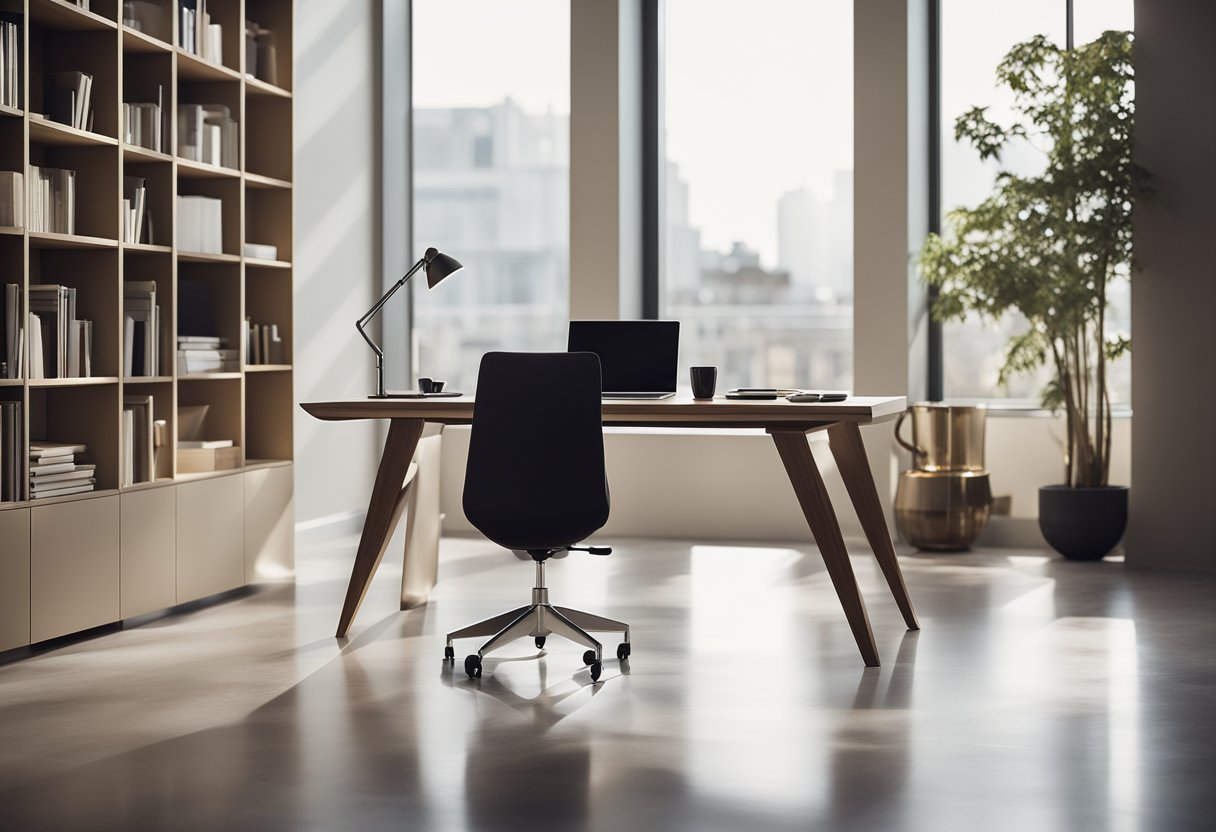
(757,245)
(491,179)
(974,39)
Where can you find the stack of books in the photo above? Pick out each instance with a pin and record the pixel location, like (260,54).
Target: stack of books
(61,345)
(144,122)
(141,329)
(197,34)
(52,203)
(263,344)
(205,354)
(200,224)
(138,440)
(136,222)
(10,59)
(11,330)
(55,470)
(261,251)
(69,99)
(12,199)
(208,133)
(12,444)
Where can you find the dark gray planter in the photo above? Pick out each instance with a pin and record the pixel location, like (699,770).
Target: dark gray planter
(1083,523)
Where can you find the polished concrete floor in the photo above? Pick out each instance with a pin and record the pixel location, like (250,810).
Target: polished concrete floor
(1039,695)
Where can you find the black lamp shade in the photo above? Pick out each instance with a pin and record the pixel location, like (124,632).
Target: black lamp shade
(439,266)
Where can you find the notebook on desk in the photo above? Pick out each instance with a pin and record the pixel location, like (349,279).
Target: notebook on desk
(638,359)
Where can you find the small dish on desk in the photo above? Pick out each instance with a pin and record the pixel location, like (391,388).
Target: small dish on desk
(418,394)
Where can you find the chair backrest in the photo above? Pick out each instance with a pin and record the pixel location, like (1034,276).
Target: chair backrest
(535,476)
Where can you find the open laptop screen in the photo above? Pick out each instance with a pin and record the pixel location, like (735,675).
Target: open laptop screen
(635,356)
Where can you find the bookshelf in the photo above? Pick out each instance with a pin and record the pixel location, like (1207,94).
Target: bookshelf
(70,563)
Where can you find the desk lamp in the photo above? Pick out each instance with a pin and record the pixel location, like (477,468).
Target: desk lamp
(438,266)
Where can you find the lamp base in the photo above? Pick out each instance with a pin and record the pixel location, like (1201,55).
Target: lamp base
(415,394)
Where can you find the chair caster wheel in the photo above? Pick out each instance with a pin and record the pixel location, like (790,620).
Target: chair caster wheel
(622,651)
(596,669)
(589,658)
(540,642)
(472,666)
(449,655)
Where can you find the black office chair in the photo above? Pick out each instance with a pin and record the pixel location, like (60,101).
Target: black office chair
(535,484)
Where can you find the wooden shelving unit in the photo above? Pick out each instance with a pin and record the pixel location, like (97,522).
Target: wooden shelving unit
(123,550)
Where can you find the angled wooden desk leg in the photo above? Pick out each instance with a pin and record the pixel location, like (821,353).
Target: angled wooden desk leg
(812,495)
(850,453)
(383,511)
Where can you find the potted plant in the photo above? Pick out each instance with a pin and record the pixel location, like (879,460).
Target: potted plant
(1049,246)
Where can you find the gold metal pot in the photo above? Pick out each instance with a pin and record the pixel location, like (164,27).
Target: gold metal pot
(942,510)
(945,437)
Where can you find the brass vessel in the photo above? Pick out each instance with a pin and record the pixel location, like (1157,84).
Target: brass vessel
(944,502)
(942,511)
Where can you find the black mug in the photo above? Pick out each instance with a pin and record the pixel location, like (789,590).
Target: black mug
(704,380)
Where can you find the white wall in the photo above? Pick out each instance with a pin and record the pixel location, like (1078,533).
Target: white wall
(1173,506)
(337,244)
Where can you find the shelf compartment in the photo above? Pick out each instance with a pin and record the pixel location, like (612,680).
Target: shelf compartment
(268,300)
(92,52)
(86,414)
(12,146)
(147,78)
(268,416)
(228,191)
(268,220)
(164,408)
(268,122)
(226,94)
(223,398)
(94,275)
(158,180)
(208,302)
(98,193)
(157,268)
(275,16)
(57,14)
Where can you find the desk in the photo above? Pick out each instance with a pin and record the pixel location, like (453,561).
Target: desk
(786,422)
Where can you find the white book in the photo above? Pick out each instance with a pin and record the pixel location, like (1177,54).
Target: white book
(59,468)
(204,444)
(40,449)
(34,328)
(63,492)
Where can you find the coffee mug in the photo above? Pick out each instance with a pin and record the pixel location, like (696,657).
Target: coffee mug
(426,385)
(704,380)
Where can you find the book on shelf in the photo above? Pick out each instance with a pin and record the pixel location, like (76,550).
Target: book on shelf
(144,122)
(138,437)
(208,133)
(141,329)
(260,59)
(56,469)
(64,346)
(11,58)
(52,200)
(197,34)
(13,330)
(195,357)
(200,224)
(263,344)
(12,199)
(261,251)
(136,223)
(12,442)
(69,99)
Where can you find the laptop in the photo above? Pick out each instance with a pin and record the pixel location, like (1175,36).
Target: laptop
(638,359)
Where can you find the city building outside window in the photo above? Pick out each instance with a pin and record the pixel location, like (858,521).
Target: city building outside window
(757,179)
(491,158)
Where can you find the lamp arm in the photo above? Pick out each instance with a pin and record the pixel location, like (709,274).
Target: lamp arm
(371,313)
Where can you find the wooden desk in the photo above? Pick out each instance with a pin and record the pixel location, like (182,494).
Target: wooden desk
(787,423)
